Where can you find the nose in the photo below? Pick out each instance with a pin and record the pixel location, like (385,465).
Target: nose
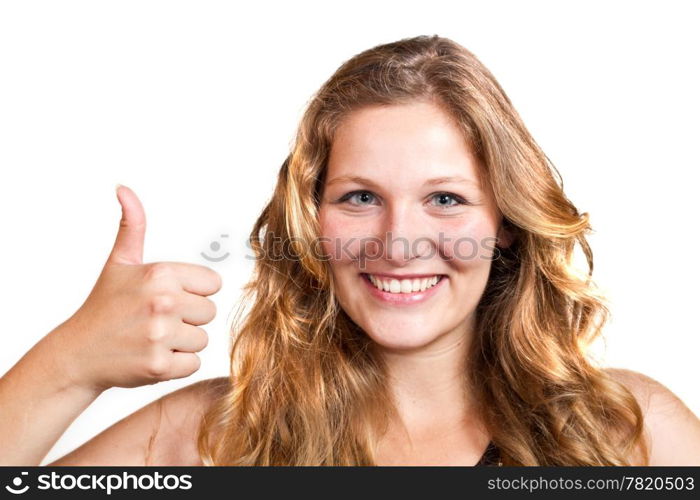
(406,235)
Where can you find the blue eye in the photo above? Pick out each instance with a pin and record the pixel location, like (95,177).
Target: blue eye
(363,196)
(444,200)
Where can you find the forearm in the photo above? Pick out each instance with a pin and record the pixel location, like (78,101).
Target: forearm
(38,402)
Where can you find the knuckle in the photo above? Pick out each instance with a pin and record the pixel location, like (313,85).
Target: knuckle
(155,332)
(162,303)
(157,367)
(158,270)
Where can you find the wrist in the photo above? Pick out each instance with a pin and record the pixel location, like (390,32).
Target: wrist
(65,371)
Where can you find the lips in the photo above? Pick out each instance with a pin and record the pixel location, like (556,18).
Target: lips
(408,284)
(404,276)
(401,298)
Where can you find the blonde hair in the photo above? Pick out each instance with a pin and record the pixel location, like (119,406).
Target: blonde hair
(307,388)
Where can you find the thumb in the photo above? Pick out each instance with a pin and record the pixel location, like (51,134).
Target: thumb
(128,247)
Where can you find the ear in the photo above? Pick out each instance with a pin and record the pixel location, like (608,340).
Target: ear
(506,235)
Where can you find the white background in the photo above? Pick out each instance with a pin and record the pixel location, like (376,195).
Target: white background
(194,105)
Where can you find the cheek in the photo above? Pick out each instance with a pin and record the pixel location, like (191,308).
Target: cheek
(341,237)
(468,243)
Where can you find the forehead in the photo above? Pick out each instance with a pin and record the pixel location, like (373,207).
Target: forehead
(411,141)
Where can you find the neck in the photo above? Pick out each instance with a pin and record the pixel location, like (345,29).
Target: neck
(429,385)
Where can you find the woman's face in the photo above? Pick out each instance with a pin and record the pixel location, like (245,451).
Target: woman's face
(403,210)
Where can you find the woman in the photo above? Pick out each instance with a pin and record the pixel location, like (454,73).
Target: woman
(414,302)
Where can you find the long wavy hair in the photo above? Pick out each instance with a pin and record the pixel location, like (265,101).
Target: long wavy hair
(306,386)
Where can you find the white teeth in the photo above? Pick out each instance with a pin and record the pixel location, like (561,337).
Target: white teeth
(405,285)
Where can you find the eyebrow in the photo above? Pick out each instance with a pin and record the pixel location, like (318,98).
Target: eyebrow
(430,182)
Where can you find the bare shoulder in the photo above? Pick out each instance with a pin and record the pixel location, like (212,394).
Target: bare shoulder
(174,441)
(673,429)
(162,433)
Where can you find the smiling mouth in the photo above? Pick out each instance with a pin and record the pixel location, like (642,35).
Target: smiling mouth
(403,286)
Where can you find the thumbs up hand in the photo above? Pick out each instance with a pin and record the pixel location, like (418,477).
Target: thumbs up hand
(141,322)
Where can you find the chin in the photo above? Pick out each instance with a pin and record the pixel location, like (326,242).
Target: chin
(402,339)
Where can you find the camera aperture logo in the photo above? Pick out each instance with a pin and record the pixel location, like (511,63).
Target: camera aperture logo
(106,482)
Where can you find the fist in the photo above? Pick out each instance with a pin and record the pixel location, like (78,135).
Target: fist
(141,323)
